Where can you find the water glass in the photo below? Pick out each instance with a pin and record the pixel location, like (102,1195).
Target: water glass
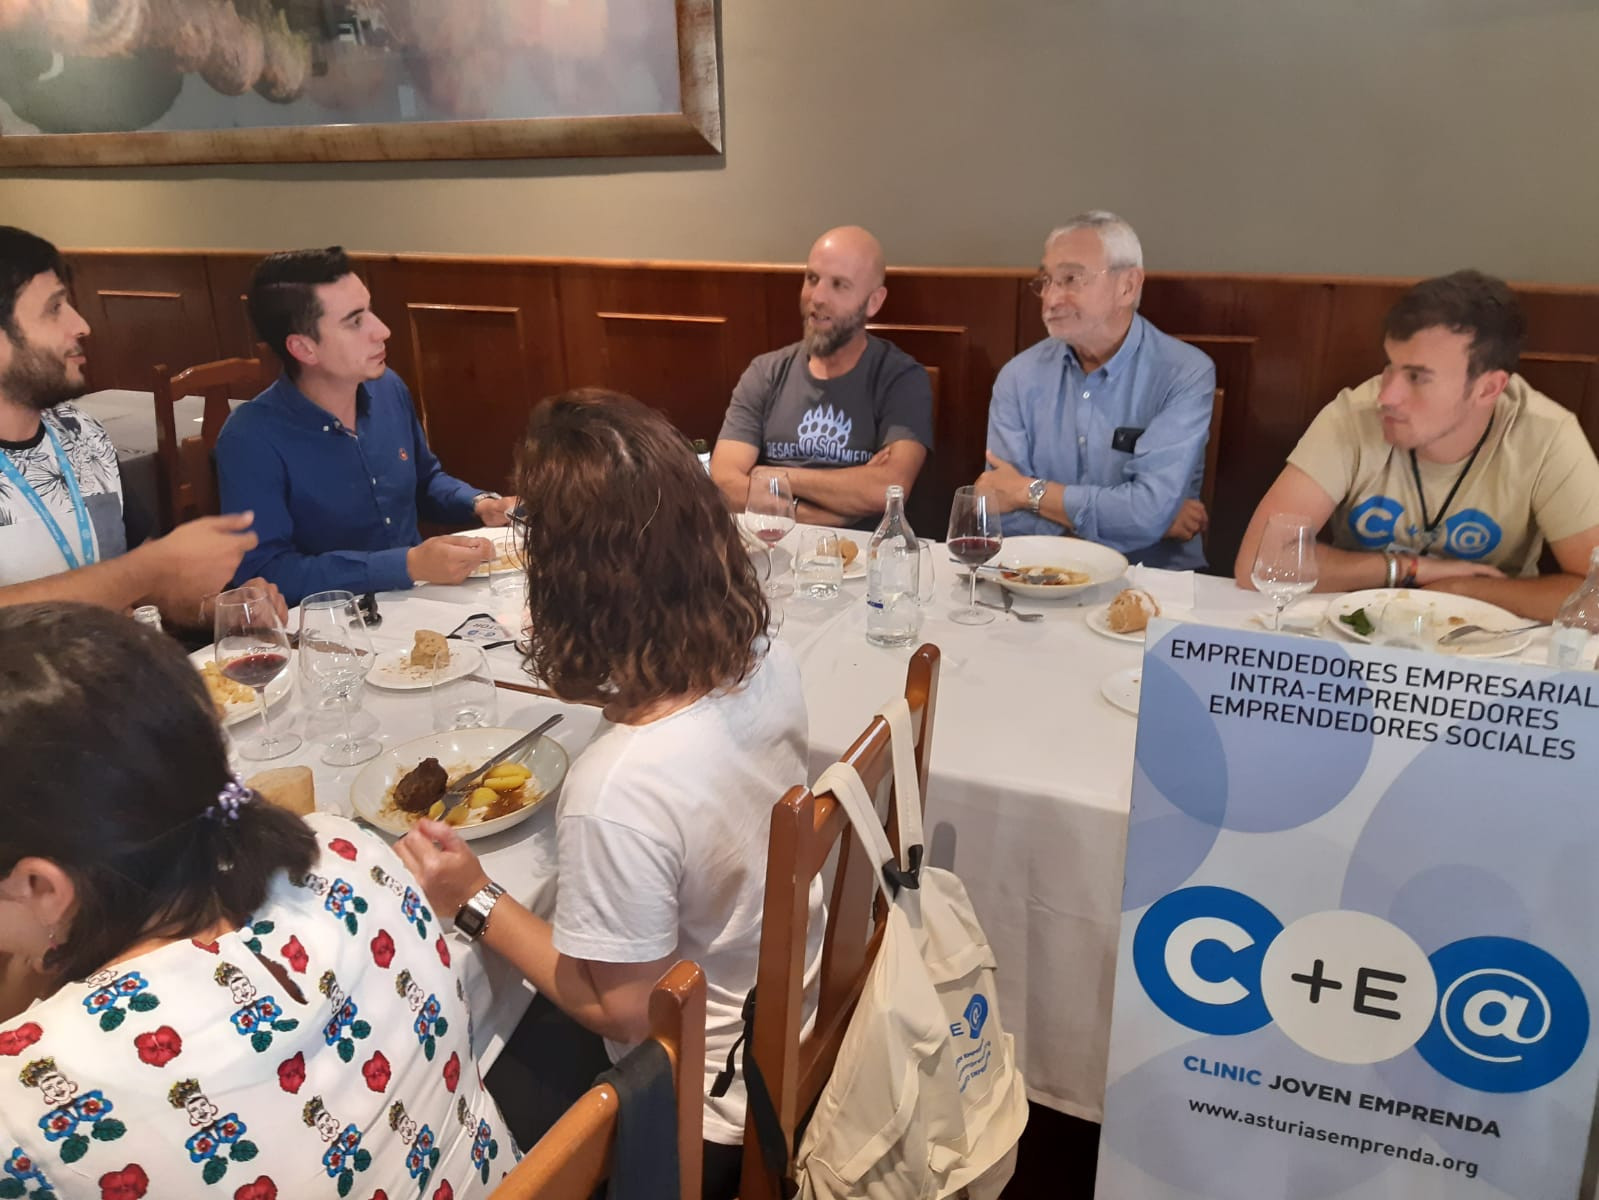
(819,571)
(1404,622)
(1285,563)
(463,692)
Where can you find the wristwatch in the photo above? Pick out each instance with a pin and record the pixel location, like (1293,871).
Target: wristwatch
(1035,494)
(482,496)
(472,918)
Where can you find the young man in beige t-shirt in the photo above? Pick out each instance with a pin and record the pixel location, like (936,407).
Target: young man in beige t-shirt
(1449,456)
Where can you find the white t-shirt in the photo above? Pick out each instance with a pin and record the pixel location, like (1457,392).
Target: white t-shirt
(661,842)
(27,550)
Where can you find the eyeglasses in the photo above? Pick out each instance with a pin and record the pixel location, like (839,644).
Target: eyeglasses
(1072,281)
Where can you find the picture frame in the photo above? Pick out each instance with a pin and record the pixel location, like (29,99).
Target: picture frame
(693,128)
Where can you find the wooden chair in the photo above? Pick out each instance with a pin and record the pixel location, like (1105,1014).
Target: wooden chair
(574,1157)
(805,830)
(186,475)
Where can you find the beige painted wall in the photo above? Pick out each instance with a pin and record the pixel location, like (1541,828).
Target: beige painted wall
(1345,136)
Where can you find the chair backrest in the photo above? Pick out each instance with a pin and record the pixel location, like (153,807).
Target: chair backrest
(186,474)
(574,1157)
(806,828)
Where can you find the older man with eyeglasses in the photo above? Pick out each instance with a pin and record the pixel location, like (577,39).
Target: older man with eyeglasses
(1099,430)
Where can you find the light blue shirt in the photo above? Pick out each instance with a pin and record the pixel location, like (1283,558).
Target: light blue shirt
(1051,420)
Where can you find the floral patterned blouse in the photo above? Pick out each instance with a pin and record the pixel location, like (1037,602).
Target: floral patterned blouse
(322,1050)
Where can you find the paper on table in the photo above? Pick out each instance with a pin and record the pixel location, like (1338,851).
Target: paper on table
(1172,590)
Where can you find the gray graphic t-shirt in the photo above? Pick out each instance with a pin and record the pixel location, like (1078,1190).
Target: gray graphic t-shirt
(797,420)
(27,550)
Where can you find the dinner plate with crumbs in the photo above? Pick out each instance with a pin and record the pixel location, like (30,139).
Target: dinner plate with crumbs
(1358,617)
(234,702)
(405,771)
(1122,689)
(1045,568)
(392,669)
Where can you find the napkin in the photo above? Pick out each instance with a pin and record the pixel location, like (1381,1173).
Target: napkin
(1173,590)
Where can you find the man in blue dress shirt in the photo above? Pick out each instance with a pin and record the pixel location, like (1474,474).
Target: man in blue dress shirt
(331,458)
(1099,430)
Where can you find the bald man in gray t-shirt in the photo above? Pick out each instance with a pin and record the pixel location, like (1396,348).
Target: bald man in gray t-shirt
(845,414)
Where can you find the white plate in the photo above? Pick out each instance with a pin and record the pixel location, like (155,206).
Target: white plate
(503,545)
(1097,622)
(235,711)
(1121,689)
(458,751)
(1100,563)
(392,670)
(1444,606)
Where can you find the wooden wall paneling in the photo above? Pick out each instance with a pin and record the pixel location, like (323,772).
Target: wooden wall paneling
(1570,379)
(142,310)
(229,276)
(478,344)
(677,339)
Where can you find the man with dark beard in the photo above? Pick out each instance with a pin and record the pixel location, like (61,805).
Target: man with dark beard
(844,413)
(62,535)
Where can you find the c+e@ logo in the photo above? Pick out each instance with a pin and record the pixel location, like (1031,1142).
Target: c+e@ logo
(1490,1013)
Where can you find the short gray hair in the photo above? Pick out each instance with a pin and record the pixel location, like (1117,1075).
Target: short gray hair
(1122,247)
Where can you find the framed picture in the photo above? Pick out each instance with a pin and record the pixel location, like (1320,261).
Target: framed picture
(123,82)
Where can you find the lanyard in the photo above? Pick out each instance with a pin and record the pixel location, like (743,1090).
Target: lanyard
(80,510)
(1430,524)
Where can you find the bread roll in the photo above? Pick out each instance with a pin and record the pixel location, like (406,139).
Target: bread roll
(848,549)
(289,788)
(430,650)
(1131,610)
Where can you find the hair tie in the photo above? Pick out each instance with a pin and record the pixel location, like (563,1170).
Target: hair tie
(233,797)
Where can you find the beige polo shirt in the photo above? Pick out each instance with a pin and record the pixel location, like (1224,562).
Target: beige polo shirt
(1535,478)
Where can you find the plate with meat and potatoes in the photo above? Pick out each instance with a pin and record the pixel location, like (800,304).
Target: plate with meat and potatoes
(407,783)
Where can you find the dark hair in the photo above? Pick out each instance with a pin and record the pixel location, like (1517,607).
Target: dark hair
(112,755)
(1465,302)
(23,256)
(639,586)
(283,296)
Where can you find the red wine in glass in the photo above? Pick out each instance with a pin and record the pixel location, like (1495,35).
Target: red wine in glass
(770,536)
(255,670)
(974,550)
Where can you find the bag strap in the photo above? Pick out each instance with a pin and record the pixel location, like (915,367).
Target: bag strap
(768,1128)
(845,783)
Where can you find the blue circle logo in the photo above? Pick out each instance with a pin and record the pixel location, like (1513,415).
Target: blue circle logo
(1197,952)
(1471,533)
(1510,1016)
(1372,521)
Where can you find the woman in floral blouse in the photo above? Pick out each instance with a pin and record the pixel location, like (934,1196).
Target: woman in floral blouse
(239,1003)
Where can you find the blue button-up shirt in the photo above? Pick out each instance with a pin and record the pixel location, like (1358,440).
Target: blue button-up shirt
(334,507)
(1127,440)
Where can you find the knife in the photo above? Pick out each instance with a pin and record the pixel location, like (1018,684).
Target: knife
(464,787)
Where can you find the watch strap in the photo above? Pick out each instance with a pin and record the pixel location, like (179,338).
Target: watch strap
(1035,493)
(472,918)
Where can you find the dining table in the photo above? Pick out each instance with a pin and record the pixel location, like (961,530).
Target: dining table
(1029,780)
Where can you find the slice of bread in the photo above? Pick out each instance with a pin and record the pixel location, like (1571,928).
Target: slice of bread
(430,650)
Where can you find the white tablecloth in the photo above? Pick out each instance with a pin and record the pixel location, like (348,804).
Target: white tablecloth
(1027,796)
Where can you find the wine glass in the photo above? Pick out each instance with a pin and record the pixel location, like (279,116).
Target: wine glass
(769,512)
(253,649)
(462,690)
(974,538)
(335,656)
(1285,563)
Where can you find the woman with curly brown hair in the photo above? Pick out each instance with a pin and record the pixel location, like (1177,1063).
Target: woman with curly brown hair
(642,599)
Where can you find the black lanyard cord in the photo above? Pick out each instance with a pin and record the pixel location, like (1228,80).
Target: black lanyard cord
(1430,524)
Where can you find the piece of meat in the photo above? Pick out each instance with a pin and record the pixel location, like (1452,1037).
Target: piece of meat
(420,787)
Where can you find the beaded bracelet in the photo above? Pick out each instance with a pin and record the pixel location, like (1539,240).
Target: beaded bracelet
(1413,565)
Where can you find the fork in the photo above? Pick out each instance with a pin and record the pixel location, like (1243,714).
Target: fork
(1465,631)
(1006,607)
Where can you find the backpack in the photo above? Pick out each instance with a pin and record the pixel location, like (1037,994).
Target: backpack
(925,1100)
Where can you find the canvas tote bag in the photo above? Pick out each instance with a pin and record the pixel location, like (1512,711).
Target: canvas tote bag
(926,1100)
